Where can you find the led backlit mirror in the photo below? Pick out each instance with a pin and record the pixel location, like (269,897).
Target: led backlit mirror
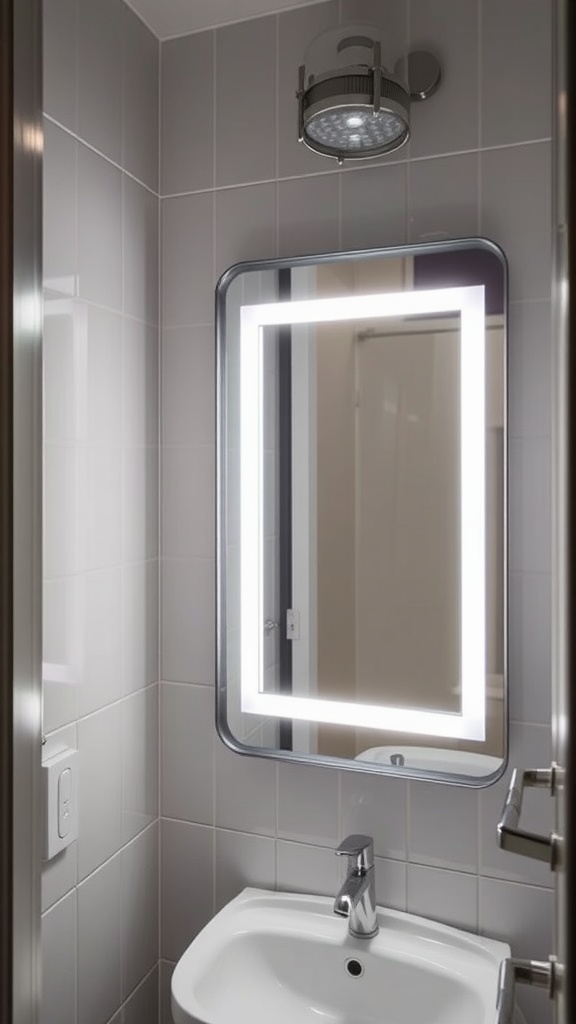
(362,497)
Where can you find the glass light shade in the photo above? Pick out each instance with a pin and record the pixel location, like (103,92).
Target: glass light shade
(357,129)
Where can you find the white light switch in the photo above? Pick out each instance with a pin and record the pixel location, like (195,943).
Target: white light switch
(60,774)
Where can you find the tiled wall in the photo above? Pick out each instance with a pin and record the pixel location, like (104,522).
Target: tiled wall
(100,897)
(236,185)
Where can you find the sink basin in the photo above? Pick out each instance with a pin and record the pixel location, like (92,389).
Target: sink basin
(285,958)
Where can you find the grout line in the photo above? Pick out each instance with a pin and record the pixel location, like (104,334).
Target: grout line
(358,169)
(105,707)
(98,152)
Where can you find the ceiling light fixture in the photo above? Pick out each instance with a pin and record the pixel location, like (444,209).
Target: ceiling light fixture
(350,106)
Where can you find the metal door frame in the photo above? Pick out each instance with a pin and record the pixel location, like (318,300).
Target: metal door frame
(20,506)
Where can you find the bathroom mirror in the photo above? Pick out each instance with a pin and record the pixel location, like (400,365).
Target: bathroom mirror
(362,510)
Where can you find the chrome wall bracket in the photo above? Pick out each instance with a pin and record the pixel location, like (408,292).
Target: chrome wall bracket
(541,974)
(516,840)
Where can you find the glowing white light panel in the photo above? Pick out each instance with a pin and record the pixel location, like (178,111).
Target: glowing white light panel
(470,303)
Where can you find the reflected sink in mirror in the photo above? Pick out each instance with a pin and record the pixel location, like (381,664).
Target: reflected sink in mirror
(286,958)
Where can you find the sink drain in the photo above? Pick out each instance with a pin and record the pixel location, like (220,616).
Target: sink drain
(354,968)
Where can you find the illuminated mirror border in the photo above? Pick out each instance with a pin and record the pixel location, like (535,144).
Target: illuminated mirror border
(470,304)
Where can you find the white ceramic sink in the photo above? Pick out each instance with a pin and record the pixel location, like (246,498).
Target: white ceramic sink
(283,958)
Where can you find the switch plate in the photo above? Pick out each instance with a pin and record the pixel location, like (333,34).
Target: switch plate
(60,779)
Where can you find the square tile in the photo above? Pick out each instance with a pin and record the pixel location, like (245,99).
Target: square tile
(140,625)
(60,38)
(445,896)
(516,46)
(374,207)
(187,157)
(443,198)
(97,614)
(301,868)
(140,249)
(187,260)
(59,951)
(245,792)
(188,502)
(242,860)
(140,512)
(99,944)
(245,225)
(100,75)
(245,128)
(189,385)
(308,804)
(390,883)
(377,807)
(530,369)
(60,661)
(64,340)
(140,764)
(188,627)
(433,839)
(187,752)
(98,384)
(530,505)
(140,383)
(140,899)
(99,229)
(187,853)
(140,108)
(308,215)
(530,647)
(59,210)
(100,818)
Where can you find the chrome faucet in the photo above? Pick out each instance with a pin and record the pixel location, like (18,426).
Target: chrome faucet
(357,897)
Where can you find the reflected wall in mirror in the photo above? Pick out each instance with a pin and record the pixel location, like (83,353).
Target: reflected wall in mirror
(362,510)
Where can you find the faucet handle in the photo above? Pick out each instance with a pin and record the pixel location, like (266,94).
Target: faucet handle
(360,850)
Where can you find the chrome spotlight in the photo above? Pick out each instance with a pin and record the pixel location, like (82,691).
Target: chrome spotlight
(358,108)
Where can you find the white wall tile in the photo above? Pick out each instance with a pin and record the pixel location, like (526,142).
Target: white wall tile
(188,382)
(61,547)
(139,761)
(373,207)
(59,951)
(443,198)
(61,356)
(448,120)
(187,859)
(433,839)
(530,369)
(308,804)
(187,90)
(100,505)
(142,1006)
(376,807)
(516,45)
(522,916)
(98,638)
(446,896)
(99,91)
(530,504)
(242,860)
(139,909)
(140,624)
(139,383)
(188,635)
(187,260)
(60,39)
(60,648)
(59,204)
(390,877)
(301,868)
(516,213)
(140,211)
(99,376)
(99,229)
(529,646)
(99,944)
(245,225)
(59,875)
(100,810)
(188,495)
(166,970)
(245,129)
(140,101)
(245,792)
(308,215)
(187,752)
(140,473)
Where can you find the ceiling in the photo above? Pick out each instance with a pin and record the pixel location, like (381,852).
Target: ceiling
(169,18)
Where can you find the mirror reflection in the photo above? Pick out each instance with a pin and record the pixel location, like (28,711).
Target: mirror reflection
(362,510)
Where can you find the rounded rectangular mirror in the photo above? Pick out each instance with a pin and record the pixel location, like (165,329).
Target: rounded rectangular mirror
(362,510)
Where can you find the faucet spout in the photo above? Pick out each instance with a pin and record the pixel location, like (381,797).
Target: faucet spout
(357,897)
